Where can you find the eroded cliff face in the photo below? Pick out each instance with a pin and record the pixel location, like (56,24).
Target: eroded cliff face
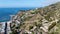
(38,21)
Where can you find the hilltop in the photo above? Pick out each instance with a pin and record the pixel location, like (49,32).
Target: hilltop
(40,20)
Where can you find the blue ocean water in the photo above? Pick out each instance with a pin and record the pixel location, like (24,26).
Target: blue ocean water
(6,12)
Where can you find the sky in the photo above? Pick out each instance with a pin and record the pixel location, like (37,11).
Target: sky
(26,3)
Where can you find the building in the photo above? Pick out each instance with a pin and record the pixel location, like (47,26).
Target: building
(2,27)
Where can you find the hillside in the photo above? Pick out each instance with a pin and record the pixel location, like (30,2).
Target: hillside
(44,20)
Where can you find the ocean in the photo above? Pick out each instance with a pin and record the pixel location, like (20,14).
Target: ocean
(6,12)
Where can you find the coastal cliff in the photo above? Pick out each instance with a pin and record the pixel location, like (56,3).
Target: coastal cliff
(44,20)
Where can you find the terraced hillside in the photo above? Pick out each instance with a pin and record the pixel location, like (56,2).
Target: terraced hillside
(44,20)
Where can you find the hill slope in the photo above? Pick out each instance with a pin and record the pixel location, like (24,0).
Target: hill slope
(41,20)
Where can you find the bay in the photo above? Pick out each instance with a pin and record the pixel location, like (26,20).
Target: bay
(6,12)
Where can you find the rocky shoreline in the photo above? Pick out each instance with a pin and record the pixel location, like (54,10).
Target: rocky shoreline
(37,21)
